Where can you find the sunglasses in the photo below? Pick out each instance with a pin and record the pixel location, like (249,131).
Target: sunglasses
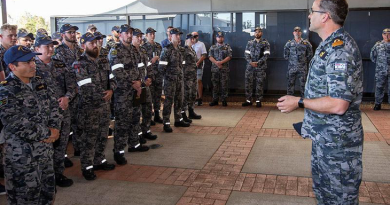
(196,36)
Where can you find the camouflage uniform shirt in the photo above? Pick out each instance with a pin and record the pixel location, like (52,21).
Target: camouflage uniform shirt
(257,52)
(336,71)
(220,52)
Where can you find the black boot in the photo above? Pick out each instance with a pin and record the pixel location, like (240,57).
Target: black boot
(157,117)
(199,102)
(152,123)
(247,103)
(378,107)
(68,163)
(224,103)
(258,103)
(148,135)
(140,148)
(63,181)
(182,124)
(185,118)
(104,166)
(193,115)
(167,128)
(120,158)
(142,140)
(89,174)
(215,102)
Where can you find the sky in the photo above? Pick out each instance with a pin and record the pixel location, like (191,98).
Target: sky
(47,8)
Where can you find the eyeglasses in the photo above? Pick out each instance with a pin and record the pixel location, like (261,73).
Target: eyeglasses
(313,11)
(70,32)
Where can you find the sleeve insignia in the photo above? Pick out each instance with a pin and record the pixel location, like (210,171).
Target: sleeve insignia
(340,66)
(337,42)
(323,54)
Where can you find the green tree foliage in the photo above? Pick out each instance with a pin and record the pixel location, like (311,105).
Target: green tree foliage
(31,23)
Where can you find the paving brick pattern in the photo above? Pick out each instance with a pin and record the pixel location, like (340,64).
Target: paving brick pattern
(222,174)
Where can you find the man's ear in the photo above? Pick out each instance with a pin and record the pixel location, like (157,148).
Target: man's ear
(12,67)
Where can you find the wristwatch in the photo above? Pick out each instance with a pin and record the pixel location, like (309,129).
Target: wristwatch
(300,103)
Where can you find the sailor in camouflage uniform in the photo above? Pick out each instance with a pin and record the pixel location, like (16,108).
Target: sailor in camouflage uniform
(92,74)
(332,119)
(190,80)
(128,79)
(153,49)
(31,119)
(115,38)
(138,132)
(380,55)
(298,52)
(257,52)
(220,54)
(8,39)
(171,64)
(68,52)
(62,80)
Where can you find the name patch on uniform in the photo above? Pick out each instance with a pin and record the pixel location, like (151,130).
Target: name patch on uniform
(340,66)
(248,52)
(140,65)
(3,102)
(41,87)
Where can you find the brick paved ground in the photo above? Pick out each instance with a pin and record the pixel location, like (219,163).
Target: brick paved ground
(222,174)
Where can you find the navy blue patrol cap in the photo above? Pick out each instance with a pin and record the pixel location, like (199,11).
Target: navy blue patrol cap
(150,30)
(220,34)
(67,27)
(42,31)
(189,36)
(136,32)
(18,54)
(116,28)
(97,33)
(88,37)
(56,35)
(175,31)
(44,40)
(125,28)
(23,33)
(258,29)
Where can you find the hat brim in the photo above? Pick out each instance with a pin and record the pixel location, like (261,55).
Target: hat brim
(47,43)
(26,57)
(130,28)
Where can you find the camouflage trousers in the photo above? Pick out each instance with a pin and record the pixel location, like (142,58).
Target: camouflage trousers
(94,123)
(292,74)
(62,143)
(135,132)
(254,77)
(381,78)
(31,183)
(190,89)
(74,128)
(146,111)
(336,173)
(156,92)
(123,119)
(174,91)
(220,81)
